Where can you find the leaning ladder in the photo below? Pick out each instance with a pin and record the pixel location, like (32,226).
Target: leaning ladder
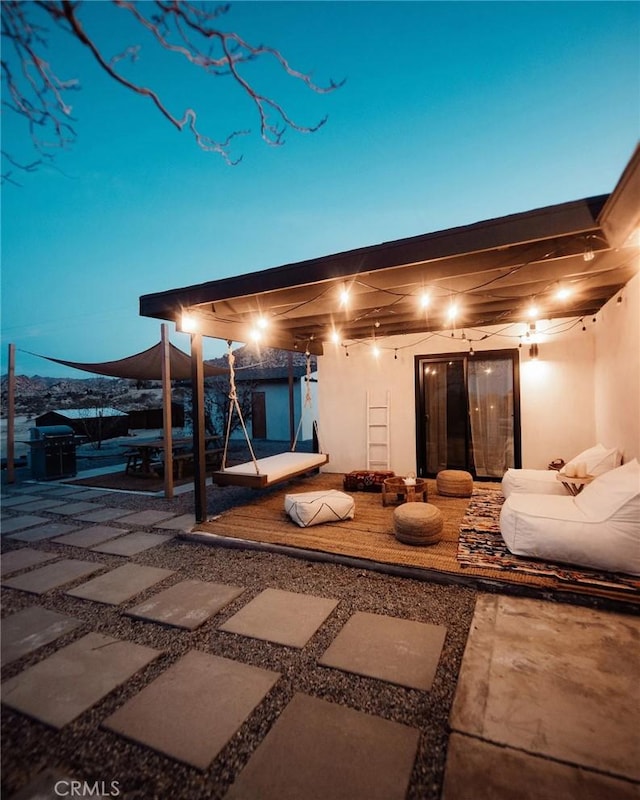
(378,449)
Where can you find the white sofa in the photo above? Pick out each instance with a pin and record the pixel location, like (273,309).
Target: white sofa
(597,460)
(599,528)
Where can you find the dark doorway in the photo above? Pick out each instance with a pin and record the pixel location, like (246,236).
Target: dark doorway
(258,415)
(468,413)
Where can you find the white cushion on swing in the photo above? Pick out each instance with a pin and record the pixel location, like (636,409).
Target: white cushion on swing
(314,508)
(278,467)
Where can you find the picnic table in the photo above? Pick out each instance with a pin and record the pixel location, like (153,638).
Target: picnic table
(146,459)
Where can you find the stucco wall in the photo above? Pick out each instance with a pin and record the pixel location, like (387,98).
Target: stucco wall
(617,372)
(557,395)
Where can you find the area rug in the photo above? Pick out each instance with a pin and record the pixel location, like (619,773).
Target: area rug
(480,544)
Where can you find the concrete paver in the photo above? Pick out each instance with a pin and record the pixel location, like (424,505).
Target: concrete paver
(192,710)
(479,770)
(47,531)
(131,544)
(148,517)
(18,500)
(42,504)
(32,628)
(79,507)
(89,537)
(288,618)
(554,680)
(399,651)
(58,689)
(21,559)
(184,522)
(102,515)
(20,523)
(318,750)
(42,580)
(187,604)
(120,584)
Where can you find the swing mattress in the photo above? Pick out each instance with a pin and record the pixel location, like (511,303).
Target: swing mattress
(272,469)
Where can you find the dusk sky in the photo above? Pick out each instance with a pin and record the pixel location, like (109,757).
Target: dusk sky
(451,113)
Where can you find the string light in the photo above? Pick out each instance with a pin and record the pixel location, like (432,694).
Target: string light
(335,336)
(425,300)
(344,296)
(376,351)
(452,313)
(563,293)
(532,312)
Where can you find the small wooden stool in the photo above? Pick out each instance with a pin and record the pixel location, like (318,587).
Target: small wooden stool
(417,523)
(454,483)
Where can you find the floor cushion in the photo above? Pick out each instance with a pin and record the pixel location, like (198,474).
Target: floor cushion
(314,508)
(418,523)
(598,528)
(597,460)
(454,483)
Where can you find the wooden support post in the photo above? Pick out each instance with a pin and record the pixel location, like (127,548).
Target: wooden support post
(167,422)
(197,410)
(11,414)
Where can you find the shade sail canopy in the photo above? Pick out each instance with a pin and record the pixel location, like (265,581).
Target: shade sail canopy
(144,366)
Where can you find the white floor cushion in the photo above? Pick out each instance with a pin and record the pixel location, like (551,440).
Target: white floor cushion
(597,460)
(314,508)
(532,481)
(599,528)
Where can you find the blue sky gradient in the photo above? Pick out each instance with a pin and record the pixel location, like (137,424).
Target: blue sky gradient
(452,112)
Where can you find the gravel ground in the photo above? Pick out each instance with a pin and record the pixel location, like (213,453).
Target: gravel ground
(84,751)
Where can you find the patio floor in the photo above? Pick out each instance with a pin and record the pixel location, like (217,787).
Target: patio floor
(189,671)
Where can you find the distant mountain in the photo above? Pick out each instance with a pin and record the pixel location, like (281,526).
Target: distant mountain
(36,394)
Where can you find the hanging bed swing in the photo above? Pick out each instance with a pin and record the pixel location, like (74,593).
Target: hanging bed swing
(262,472)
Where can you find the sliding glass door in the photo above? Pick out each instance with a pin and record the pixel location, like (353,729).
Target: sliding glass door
(468,413)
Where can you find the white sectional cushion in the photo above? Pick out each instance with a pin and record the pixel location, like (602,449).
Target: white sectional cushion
(557,529)
(611,492)
(598,459)
(532,481)
(314,508)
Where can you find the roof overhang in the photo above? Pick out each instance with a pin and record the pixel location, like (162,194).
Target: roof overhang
(492,271)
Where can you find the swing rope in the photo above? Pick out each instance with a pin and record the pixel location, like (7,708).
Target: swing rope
(308,403)
(234,404)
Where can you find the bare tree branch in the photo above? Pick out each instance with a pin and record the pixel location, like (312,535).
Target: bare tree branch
(183,28)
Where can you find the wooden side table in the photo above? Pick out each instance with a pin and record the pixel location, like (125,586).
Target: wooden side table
(574,485)
(404,492)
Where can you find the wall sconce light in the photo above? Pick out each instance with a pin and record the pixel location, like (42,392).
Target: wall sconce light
(533,351)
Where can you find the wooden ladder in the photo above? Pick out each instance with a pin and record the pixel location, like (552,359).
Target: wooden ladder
(378,450)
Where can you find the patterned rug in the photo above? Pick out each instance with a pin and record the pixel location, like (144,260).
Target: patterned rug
(481,545)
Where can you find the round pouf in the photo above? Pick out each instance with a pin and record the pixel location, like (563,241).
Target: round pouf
(417,523)
(454,483)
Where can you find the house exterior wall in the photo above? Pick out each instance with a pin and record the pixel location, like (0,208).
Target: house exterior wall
(617,372)
(277,410)
(556,395)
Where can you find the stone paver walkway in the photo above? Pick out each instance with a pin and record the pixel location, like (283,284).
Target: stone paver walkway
(61,687)
(287,618)
(311,752)
(51,576)
(41,532)
(21,559)
(89,537)
(120,584)
(131,544)
(400,651)
(32,628)
(192,710)
(186,604)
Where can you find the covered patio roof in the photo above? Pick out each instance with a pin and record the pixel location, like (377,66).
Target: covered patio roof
(491,271)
